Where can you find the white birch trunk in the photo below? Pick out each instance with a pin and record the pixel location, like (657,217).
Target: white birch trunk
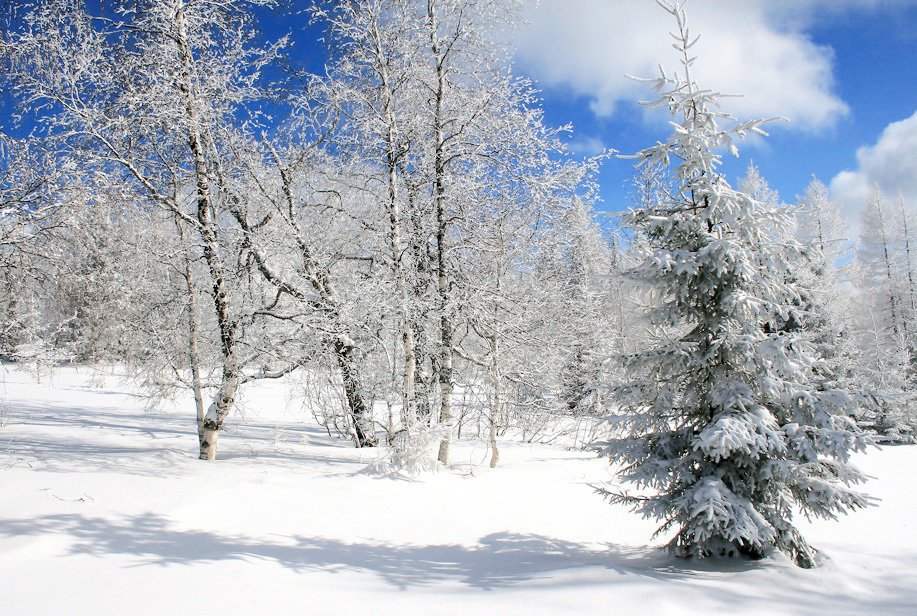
(495,403)
(193,352)
(231,374)
(445,363)
(396,242)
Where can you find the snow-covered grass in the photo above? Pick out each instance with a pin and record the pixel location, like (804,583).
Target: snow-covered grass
(105,510)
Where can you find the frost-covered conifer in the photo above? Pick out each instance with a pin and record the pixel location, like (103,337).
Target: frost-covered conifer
(586,279)
(728,432)
(886,331)
(827,318)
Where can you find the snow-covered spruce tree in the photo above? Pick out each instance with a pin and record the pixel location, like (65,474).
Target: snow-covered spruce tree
(728,435)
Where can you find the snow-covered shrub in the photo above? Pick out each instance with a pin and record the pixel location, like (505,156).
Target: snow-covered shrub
(411,453)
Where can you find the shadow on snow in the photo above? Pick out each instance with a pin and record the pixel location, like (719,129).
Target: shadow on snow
(75,437)
(498,560)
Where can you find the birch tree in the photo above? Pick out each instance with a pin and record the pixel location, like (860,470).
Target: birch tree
(149,91)
(483,138)
(307,211)
(31,214)
(371,85)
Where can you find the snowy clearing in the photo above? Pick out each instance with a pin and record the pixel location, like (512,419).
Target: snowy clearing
(108,511)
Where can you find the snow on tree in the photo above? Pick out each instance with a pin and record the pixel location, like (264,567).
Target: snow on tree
(905,228)
(91,276)
(727,431)
(827,318)
(488,155)
(152,96)
(372,84)
(588,284)
(755,186)
(453,150)
(31,214)
(880,272)
(820,223)
(886,330)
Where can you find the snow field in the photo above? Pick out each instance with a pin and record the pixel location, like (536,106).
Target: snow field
(106,510)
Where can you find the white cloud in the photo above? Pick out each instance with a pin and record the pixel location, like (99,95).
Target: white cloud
(891,163)
(586,146)
(756,48)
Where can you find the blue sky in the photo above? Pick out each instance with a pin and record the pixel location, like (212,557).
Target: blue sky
(842,70)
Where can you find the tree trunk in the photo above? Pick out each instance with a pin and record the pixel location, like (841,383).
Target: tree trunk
(231,374)
(407,331)
(364,432)
(906,318)
(445,363)
(494,452)
(445,385)
(423,378)
(495,403)
(896,324)
(420,273)
(219,409)
(193,353)
(396,245)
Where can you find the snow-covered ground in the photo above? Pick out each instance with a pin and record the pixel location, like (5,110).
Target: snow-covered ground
(105,510)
